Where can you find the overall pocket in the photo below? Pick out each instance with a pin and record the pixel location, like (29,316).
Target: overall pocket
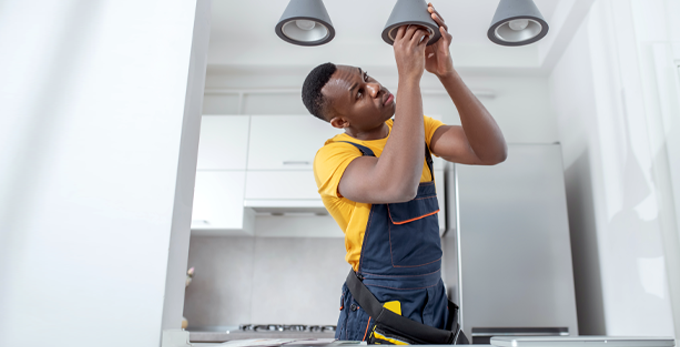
(414,229)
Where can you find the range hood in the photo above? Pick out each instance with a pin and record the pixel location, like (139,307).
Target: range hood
(281,206)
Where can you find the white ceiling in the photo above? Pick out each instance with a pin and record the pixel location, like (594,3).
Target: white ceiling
(243,34)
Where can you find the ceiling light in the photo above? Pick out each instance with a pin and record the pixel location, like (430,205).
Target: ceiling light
(517,23)
(305,23)
(410,12)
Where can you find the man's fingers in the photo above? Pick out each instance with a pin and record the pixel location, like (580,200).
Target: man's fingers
(400,32)
(430,8)
(425,40)
(418,35)
(446,35)
(437,17)
(410,32)
(439,21)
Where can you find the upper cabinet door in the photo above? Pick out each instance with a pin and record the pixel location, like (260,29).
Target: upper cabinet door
(223,144)
(218,200)
(286,142)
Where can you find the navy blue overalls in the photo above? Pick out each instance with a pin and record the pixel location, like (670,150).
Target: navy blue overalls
(400,260)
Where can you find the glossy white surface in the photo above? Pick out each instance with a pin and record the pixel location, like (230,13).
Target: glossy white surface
(286,142)
(99,136)
(218,201)
(612,115)
(223,143)
(579,341)
(515,248)
(281,185)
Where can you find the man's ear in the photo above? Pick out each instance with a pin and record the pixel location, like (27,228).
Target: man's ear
(339,122)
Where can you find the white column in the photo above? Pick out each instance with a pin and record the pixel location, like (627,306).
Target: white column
(99,120)
(625,255)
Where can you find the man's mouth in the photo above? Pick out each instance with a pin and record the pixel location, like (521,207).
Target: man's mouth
(388,99)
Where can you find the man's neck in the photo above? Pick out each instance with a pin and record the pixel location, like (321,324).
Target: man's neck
(378,133)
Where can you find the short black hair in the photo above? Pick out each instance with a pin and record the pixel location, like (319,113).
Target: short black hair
(311,89)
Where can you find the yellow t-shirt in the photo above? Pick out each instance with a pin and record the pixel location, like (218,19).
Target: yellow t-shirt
(329,166)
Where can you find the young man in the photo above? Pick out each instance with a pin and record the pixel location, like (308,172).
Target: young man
(377,182)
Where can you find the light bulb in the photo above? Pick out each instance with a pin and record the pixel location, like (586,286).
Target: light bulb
(519,24)
(305,24)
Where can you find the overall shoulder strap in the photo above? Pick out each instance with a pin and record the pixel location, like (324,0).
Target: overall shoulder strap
(428,159)
(365,150)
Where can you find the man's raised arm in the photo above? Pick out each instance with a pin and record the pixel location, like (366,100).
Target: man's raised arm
(394,177)
(479,140)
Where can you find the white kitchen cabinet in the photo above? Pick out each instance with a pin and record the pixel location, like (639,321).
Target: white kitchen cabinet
(281,185)
(289,191)
(218,204)
(262,164)
(282,191)
(286,142)
(291,142)
(223,144)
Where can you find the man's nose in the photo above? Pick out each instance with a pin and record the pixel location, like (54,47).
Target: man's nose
(373,89)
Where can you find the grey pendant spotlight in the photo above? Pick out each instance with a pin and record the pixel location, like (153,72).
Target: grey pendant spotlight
(412,12)
(305,23)
(517,23)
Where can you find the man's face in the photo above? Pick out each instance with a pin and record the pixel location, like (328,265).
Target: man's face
(357,98)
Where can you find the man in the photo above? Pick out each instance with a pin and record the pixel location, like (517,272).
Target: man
(377,182)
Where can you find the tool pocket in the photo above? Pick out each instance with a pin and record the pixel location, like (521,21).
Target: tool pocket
(414,229)
(384,335)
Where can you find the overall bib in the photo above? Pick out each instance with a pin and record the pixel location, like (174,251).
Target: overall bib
(400,261)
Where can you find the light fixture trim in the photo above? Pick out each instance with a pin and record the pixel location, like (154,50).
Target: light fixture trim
(507,36)
(320,34)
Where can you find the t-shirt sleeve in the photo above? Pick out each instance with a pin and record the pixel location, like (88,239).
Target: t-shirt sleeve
(431,125)
(330,164)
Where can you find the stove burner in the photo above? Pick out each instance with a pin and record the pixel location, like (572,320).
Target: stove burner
(292,328)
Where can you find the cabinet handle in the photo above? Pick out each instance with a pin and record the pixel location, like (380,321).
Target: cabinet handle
(200,221)
(293,162)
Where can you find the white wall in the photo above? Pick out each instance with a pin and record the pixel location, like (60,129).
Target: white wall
(617,196)
(657,30)
(98,143)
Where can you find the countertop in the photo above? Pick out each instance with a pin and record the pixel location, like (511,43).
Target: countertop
(218,337)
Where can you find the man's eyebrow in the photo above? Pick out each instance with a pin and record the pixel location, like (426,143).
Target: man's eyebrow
(351,89)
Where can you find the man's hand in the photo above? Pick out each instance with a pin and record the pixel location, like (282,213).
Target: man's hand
(409,51)
(438,56)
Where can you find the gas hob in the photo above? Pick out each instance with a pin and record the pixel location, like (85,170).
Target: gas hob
(287,327)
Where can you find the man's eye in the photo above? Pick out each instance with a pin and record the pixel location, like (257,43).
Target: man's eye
(366,76)
(359,93)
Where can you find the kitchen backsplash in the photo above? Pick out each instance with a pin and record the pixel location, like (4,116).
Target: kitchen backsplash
(264,280)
